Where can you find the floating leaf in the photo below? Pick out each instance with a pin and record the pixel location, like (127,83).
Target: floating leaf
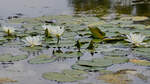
(96,23)
(69,54)
(139,18)
(115,52)
(117,59)
(96,62)
(9,57)
(65,76)
(97,33)
(74,72)
(86,68)
(140,62)
(115,79)
(42,59)
(6,80)
(32,49)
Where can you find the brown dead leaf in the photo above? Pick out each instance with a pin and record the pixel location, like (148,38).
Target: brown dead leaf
(115,79)
(6,80)
(140,62)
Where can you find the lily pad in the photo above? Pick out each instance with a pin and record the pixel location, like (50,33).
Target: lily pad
(86,68)
(96,62)
(142,52)
(69,54)
(115,79)
(31,49)
(116,52)
(140,62)
(117,59)
(42,59)
(97,33)
(65,76)
(139,18)
(7,80)
(74,72)
(9,57)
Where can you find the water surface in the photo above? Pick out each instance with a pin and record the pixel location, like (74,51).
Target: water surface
(33,8)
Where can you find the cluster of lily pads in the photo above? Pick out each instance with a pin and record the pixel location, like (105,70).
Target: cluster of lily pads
(53,30)
(85,34)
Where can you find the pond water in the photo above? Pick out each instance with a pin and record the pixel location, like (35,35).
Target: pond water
(92,50)
(33,8)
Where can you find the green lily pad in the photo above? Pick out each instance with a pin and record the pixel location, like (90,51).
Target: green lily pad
(69,54)
(116,52)
(32,49)
(74,72)
(96,62)
(65,76)
(86,68)
(9,57)
(42,59)
(142,52)
(117,59)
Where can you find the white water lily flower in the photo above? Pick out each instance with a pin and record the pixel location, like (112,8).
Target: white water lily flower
(8,30)
(33,41)
(55,30)
(48,27)
(136,39)
(58,30)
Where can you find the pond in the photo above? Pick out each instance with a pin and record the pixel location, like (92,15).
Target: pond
(74,42)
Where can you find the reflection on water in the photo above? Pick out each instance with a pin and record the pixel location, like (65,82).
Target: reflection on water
(118,6)
(54,7)
(90,6)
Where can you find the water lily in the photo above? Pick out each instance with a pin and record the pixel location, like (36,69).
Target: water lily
(8,30)
(33,41)
(54,30)
(136,39)
(47,29)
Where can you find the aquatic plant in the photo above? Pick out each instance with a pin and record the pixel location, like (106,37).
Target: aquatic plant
(33,41)
(47,29)
(67,75)
(136,39)
(54,30)
(8,30)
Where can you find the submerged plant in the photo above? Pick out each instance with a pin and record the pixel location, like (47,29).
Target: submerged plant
(54,30)
(33,41)
(136,39)
(8,30)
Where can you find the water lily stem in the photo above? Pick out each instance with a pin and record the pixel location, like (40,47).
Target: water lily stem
(58,39)
(9,34)
(46,33)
